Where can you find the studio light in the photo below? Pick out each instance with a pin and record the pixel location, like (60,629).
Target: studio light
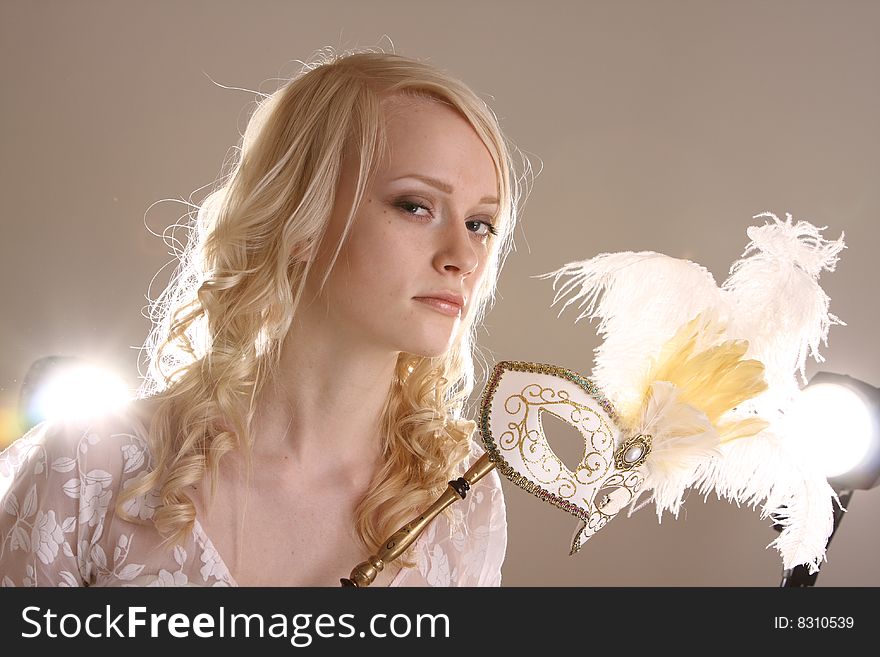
(841,415)
(68,387)
(838,418)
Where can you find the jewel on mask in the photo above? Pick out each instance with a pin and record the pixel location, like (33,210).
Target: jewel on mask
(633,452)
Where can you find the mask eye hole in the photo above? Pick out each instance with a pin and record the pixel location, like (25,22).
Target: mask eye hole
(565,441)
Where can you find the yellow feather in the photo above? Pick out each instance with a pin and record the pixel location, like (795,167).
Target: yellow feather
(730,431)
(713,379)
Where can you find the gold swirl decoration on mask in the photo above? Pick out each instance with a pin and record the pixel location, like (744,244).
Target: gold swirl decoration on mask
(543,464)
(545,475)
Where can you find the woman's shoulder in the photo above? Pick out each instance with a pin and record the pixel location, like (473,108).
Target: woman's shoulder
(59,486)
(96,446)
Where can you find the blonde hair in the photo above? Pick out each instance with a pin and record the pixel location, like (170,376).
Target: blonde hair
(219,325)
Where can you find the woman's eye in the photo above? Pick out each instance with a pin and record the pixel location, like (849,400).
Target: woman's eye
(410,207)
(481,228)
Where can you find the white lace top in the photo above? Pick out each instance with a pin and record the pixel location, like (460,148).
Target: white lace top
(58,488)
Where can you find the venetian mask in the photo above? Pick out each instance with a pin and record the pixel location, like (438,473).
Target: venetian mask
(518,396)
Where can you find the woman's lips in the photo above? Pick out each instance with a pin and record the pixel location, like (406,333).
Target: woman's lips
(441,305)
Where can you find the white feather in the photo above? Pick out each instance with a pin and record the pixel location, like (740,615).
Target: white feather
(772,299)
(682,440)
(777,303)
(771,470)
(640,299)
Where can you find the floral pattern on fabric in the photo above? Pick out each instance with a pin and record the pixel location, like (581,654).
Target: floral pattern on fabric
(58,489)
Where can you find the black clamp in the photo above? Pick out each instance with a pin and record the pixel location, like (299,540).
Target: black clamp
(460,486)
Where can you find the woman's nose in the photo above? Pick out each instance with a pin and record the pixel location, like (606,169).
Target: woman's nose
(456,252)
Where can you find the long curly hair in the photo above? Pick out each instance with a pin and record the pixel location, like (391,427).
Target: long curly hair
(219,324)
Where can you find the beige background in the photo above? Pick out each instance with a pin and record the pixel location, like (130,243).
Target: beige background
(662,126)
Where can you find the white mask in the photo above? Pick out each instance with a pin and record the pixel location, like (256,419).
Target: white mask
(609,473)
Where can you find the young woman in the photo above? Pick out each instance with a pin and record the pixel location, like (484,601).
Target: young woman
(309,362)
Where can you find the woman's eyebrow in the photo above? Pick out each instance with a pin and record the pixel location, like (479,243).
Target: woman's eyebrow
(442,186)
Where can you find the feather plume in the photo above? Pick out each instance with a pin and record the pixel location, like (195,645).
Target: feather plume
(773,470)
(715,379)
(708,372)
(694,385)
(776,300)
(682,439)
(641,299)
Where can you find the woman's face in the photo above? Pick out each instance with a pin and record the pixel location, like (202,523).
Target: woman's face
(419,244)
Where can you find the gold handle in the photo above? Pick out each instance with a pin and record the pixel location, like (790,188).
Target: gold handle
(365,572)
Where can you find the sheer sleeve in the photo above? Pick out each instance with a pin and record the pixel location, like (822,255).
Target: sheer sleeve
(468,548)
(57,483)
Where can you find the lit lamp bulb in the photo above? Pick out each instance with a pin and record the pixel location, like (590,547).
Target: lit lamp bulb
(836,423)
(78,391)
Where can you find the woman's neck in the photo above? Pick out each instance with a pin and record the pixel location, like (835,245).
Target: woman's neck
(322,411)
